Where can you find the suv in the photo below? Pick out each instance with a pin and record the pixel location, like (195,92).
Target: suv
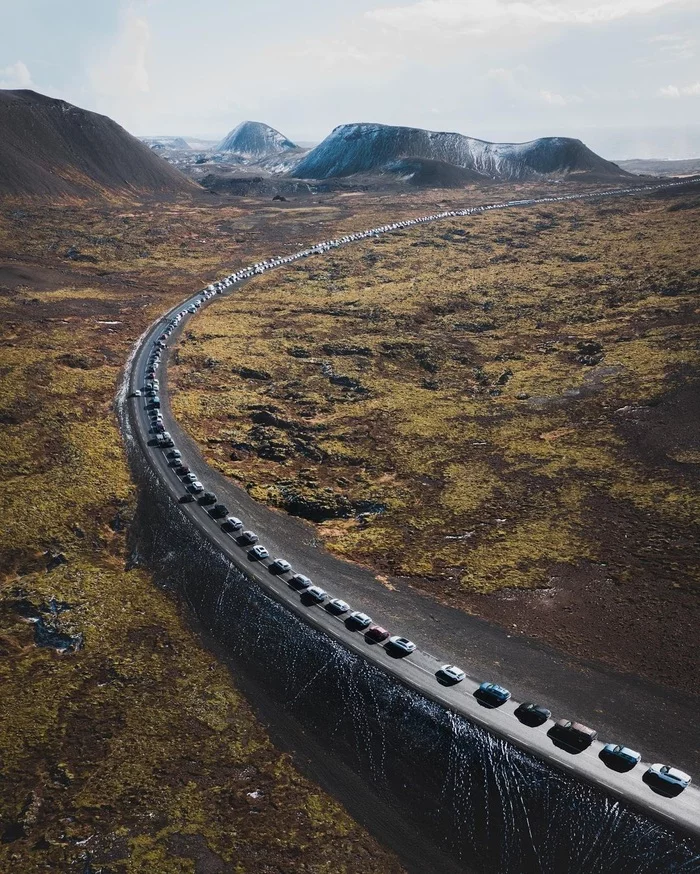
(315,594)
(280,566)
(232,523)
(358,621)
(300,582)
(401,645)
(572,735)
(207,498)
(449,675)
(491,695)
(248,537)
(257,553)
(218,511)
(619,758)
(376,634)
(532,714)
(666,780)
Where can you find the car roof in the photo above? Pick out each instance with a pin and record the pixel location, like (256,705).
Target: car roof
(675,772)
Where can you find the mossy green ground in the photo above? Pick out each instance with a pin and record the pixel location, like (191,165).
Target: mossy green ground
(518,407)
(136,752)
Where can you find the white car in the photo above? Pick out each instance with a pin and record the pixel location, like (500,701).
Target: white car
(257,553)
(671,777)
(450,674)
(280,566)
(196,486)
(402,644)
(337,607)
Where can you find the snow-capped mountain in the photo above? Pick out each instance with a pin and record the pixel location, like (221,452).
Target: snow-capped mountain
(254,140)
(363,148)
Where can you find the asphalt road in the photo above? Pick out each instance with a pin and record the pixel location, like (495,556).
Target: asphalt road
(624,709)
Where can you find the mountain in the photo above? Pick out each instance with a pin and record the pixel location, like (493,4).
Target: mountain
(50,148)
(255,140)
(662,167)
(363,148)
(170,143)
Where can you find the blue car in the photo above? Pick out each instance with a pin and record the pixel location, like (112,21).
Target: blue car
(491,695)
(619,758)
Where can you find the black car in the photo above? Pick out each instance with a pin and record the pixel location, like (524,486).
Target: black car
(218,511)
(532,714)
(207,498)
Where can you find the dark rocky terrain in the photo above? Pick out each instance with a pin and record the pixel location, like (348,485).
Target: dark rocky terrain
(50,148)
(363,148)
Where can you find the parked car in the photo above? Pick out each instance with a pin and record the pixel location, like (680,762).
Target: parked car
(450,674)
(182,469)
(165,440)
(401,645)
(189,477)
(337,607)
(316,594)
(232,523)
(196,486)
(358,621)
(491,695)
(572,735)
(154,403)
(218,511)
(158,427)
(300,582)
(280,566)
(532,714)
(207,498)
(619,758)
(174,453)
(667,780)
(136,393)
(257,553)
(248,537)
(376,633)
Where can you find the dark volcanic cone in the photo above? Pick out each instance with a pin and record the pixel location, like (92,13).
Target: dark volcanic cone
(50,148)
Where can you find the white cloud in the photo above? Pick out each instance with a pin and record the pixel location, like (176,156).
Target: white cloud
(16,75)
(449,14)
(553,98)
(122,69)
(673,47)
(675,91)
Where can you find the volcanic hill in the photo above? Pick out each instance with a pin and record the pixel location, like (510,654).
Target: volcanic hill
(366,148)
(51,148)
(254,140)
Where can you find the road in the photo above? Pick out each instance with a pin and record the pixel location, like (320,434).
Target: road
(602,699)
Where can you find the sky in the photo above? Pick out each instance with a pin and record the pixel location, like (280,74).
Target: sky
(622,75)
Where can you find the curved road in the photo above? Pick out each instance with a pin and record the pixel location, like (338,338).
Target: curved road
(466,638)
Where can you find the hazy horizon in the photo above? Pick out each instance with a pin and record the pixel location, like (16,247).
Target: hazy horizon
(622,75)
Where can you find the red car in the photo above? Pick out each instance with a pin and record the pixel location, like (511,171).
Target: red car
(376,633)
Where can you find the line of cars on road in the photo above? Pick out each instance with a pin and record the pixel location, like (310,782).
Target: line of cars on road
(326,245)
(571,736)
